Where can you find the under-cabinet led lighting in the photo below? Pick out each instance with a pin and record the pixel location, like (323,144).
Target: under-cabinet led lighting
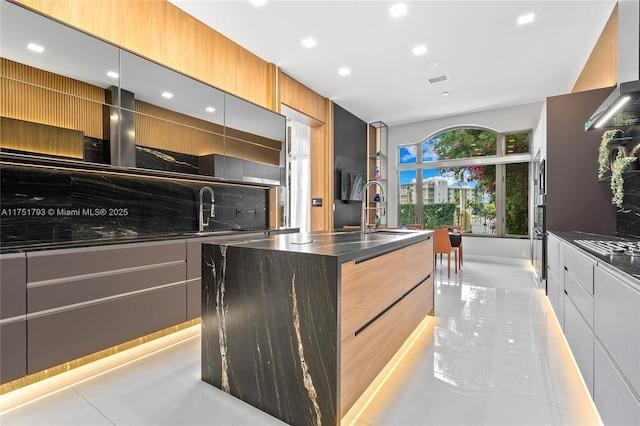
(167,95)
(420,50)
(344,71)
(525,19)
(211,109)
(113,74)
(613,110)
(35,47)
(398,10)
(308,42)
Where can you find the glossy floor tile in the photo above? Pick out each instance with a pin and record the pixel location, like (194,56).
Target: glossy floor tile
(493,354)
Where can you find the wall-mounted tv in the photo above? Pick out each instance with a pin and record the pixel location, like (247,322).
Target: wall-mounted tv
(351,184)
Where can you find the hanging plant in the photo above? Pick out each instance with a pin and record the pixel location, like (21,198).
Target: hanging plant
(617,181)
(603,152)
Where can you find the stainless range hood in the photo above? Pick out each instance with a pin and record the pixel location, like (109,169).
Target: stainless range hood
(621,108)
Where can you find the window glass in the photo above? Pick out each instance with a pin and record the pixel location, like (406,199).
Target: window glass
(463,196)
(459,143)
(517,199)
(517,143)
(407,154)
(407,197)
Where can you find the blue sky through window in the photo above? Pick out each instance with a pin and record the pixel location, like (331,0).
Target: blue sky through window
(408,154)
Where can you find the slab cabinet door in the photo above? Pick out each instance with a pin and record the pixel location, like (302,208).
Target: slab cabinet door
(580,339)
(617,310)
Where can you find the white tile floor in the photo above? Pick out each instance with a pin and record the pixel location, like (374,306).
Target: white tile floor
(492,355)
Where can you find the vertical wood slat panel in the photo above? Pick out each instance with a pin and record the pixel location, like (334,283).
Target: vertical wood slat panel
(601,69)
(192,47)
(40,138)
(35,95)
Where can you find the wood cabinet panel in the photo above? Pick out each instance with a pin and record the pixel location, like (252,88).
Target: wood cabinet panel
(367,288)
(418,263)
(41,138)
(363,356)
(601,69)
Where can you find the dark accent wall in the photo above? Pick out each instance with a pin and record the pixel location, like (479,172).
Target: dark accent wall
(350,154)
(576,200)
(47,205)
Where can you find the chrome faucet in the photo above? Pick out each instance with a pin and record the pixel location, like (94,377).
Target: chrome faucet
(364,227)
(201,221)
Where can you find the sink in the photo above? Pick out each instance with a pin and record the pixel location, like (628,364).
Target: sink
(394,231)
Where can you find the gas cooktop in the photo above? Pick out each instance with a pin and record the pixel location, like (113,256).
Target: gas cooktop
(611,248)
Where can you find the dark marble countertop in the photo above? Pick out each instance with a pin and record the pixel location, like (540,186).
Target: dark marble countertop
(629,266)
(31,247)
(346,245)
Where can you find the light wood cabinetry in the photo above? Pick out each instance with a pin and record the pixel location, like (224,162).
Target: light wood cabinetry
(382,301)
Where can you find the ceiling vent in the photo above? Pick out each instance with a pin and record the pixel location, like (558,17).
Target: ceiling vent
(438,79)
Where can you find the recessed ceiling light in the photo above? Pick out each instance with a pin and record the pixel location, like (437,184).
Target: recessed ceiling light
(211,109)
(420,50)
(430,65)
(344,71)
(258,3)
(445,93)
(398,10)
(167,95)
(525,19)
(35,47)
(308,42)
(113,74)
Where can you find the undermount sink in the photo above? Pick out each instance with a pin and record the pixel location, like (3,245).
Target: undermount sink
(394,231)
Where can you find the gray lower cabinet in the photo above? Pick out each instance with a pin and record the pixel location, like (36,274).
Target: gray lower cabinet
(613,397)
(617,307)
(13,319)
(555,277)
(580,339)
(81,301)
(602,326)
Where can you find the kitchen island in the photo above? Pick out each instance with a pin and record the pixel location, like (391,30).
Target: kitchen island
(299,325)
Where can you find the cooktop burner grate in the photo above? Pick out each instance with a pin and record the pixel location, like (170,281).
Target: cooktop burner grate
(611,248)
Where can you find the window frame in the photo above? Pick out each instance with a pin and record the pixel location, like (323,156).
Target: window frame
(500,160)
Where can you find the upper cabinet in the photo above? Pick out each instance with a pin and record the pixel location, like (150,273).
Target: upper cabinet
(69,95)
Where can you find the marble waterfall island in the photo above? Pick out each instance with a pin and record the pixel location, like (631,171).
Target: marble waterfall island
(298,325)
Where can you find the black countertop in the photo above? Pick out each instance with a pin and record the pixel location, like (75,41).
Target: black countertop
(345,245)
(31,247)
(628,265)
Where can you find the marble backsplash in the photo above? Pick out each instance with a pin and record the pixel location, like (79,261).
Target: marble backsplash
(628,218)
(47,205)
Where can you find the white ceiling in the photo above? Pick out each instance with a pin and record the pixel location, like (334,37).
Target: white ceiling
(490,61)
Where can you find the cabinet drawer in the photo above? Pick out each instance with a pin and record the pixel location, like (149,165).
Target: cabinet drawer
(553,247)
(13,285)
(418,263)
(368,288)
(580,266)
(363,356)
(64,336)
(616,403)
(617,325)
(580,339)
(580,297)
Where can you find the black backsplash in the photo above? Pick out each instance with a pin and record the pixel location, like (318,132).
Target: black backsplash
(628,217)
(46,205)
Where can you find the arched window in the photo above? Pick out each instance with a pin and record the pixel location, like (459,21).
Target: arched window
(474,178)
